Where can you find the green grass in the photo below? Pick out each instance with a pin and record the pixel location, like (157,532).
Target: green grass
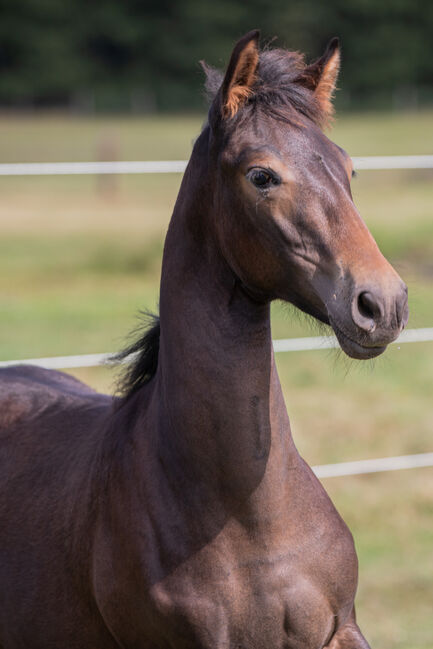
(390,516)
(385,133)
(60,137)
(80,255)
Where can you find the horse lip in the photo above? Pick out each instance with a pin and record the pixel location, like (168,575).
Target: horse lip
(355,349)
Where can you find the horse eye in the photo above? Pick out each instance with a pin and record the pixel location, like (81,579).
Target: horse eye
(262,178)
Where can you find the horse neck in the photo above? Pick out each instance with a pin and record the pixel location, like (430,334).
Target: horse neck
(223,420)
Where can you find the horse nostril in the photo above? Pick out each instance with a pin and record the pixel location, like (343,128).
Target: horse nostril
(367,311)
(367,305)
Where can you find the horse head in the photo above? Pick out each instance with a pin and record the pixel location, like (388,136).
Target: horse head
(282,207)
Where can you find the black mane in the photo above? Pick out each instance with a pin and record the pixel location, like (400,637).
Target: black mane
(141,368)
(281,87)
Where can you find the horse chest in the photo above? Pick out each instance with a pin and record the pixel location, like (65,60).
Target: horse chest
(215,602)
(285,590)
(243,612)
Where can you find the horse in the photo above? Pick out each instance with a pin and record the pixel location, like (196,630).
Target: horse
(178,514)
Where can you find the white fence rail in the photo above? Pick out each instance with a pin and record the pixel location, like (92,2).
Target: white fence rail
(377,465)
(73,168)
(178,166)
(281,345)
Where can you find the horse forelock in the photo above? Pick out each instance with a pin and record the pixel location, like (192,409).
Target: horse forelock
(278,88)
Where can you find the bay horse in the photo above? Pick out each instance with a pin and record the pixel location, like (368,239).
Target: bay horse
(179,515)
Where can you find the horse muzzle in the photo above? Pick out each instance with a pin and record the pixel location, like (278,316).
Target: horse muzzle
(369,318)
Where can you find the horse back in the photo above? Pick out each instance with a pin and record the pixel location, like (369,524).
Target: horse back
(26,391)
(46,416)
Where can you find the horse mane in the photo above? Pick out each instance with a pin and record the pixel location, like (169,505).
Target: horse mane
(141,368)
(278,88)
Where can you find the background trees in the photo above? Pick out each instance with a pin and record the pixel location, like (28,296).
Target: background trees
(142,55)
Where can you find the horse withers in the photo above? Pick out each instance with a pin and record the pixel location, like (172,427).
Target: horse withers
(180,514)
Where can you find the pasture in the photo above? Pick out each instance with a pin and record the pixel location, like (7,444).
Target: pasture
(80,255)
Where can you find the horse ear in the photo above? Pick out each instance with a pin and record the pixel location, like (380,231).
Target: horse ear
(241,74)
(321,76)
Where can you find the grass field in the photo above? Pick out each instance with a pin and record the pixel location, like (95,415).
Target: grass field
(80,255)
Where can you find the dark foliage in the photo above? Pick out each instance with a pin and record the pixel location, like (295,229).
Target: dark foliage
(136,55)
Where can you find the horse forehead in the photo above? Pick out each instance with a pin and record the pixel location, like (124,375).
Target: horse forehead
(291,144)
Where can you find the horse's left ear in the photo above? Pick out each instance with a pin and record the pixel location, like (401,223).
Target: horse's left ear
(241,74)
(321,76)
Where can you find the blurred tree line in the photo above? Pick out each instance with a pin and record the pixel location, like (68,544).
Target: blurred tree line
(142,55)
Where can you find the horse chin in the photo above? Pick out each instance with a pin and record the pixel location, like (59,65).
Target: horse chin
(354,349)
(321,315)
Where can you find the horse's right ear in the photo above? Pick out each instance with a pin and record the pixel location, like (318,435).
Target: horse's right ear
(240,75)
